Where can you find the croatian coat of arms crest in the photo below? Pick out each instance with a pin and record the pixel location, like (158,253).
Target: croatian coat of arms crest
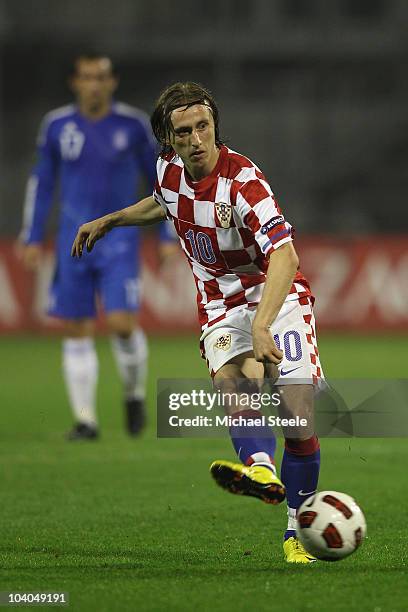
(224,213)
(223,342)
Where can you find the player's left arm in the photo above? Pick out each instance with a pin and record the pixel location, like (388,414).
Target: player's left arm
(145,212)
(283,263)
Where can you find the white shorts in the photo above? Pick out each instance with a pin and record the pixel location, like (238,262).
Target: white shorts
(293,331)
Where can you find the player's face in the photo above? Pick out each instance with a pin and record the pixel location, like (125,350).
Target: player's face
(194,139)
(94,83)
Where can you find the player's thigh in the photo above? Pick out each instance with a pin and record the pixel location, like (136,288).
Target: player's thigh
(252,369)
(241,375)
(239,367)
(72,291)
(228,381)
(119,286)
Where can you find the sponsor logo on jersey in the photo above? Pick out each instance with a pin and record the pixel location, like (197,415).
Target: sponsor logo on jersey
(168,201)
(223,342)
(71,141)
(224,213)
(271,224)
(120,140)
(286,372)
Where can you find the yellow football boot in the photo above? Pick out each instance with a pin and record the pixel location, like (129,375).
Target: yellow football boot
(257,481)
(295,553)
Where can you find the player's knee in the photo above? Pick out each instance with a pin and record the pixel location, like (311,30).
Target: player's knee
(121,325)
(232,383)
(227,374)
(123,333)
(78,328)
(226,379)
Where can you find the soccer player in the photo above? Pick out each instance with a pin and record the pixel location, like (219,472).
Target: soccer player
(255,306)
(97,149)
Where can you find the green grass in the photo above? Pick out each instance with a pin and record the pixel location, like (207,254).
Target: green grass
(138,525)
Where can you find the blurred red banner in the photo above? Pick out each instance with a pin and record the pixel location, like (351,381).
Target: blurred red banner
(359,284)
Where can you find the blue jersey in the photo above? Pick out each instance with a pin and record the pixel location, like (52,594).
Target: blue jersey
(97,165)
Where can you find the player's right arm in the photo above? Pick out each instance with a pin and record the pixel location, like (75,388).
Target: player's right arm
(38,198)
(145,212)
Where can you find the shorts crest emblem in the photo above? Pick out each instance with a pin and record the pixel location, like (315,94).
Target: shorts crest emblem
(224,213)
(223,342)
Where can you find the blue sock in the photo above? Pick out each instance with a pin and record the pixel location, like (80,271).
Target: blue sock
(300,475)
(289,533)
(253,443)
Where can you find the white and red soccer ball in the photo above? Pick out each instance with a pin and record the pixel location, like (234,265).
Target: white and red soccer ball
(330,525)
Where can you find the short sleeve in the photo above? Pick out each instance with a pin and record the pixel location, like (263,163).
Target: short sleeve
(261,213)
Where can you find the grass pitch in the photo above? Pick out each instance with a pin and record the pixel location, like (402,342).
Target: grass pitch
(138,525)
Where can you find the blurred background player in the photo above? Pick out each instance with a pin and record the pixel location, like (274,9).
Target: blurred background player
(98,149)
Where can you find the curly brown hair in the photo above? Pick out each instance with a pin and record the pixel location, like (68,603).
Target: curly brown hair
(175,96)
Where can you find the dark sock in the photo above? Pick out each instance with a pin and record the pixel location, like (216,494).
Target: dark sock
(300,475)
(253,443)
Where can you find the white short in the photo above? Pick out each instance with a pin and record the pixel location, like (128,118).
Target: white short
(293,331)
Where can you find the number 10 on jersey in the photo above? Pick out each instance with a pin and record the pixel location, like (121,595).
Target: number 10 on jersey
(201,247)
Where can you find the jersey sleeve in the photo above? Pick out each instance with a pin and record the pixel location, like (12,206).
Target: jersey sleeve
(262,215)
(40,188)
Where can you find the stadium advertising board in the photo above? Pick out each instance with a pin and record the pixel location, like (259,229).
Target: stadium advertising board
(359,284)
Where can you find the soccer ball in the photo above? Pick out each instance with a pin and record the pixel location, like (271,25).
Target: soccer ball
(330,525)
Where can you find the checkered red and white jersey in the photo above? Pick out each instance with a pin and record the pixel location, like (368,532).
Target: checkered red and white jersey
(228,223)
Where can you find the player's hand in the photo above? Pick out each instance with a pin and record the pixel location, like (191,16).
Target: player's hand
(30,255)
(265,349)
(88,234)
